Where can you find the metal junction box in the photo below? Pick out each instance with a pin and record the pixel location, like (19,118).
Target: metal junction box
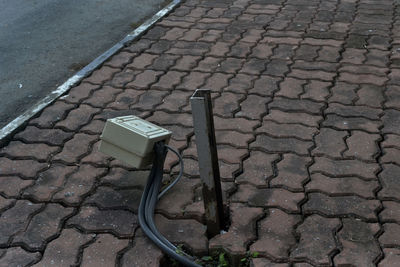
(131,140)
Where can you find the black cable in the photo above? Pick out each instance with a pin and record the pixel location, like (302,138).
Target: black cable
(147,206)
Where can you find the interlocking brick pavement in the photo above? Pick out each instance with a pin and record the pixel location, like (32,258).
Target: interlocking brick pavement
(306,98)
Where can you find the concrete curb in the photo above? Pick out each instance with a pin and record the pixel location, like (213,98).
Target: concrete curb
(14,125)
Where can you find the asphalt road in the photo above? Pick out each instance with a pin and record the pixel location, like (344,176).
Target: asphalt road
(44,42)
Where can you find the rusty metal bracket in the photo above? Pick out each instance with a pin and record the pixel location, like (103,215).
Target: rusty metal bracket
(208,160)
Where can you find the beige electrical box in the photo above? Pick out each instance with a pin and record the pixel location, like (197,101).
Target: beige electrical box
(131,139)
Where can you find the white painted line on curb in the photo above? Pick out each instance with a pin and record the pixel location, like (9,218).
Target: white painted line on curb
(14,125)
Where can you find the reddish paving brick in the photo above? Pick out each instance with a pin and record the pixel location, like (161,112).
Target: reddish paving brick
(392,257)
(69,243)
(356,123)
(240,83)
(265,85)
(101,75)
(124,100)
(141,61)
(275,237)
(239,124)
(257,169)
(144,79)
(181,231)
(362,78)
(96,157)
(217,81)
(11,186)
(344,93)
(321,231)
(312,74)
(231,65)
(359,245)
(291,87)
(287,117)
(193,81)
(391,212)
(342,186)
(287,130)
(142,253)
(389,182)
(391,121)
(52,114)
(227,104)
(341,206)
(281,145)
(16,256)
(393,96)
(253,107)
(49,182)
(294,105)
(43,226)
(120,60)
(353,111)
(6,203)
(233,138)
(78,93)
(292,172)
(24,168)
(161,117)
(241,231)
(78,117)
(262,51)
(75,148)
(32,134)
(340,168)
(118,222)
(17,149)
(391,235)
(362,145)
(261,262)
(330,142)
(103,252)
(102,96)
(149,99)
(79,184)
(269,198)
(16,218)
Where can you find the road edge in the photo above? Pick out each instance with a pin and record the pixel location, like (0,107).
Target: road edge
(18,122)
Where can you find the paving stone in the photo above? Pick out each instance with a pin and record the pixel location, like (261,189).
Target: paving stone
(344,93)
(17,149)
(101,75)
(239,124)
(241,231)
(94,127)
(32,134)
(342,186)
(102,96)
(316,90)
(141,61)
(362,145)
(78,184)
(240,83)
(120,60)
(341,206)
(391,121)
(287,130)
(169,80)
(392,257)
(340,168)
(189,48)
(96,157)
(49,182)
(43,226)
(118,222)
(6,203)
(389,182)
(359,245)
(391,235)
(145,79)
(120,178)
(142,253)
(227,104)
(24,168)
(277,67)
(161,118)
(362,78)
(330,142)
(64,250)
(190,233)
(281,145)
(261,262)
(16,218)
(357,123)
(12,186)
(287,117)
(257,169)
(275,235)
(122,78)
(262,51)
(103,252)
(292,172)
(193,81)
(265,85)
(391,212)
(75,148)
(16,256)
(353,111)
(291,87)
(269,198)
(78,117)
(294,105)
(78,93)
(233,138)
(52,114)
(392,96)
(321,231)
(174,207)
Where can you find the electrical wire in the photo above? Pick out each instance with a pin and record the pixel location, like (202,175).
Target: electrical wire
(179,175)
(148,203)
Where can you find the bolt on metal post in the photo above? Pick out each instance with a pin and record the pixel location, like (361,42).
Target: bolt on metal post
(208,160)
